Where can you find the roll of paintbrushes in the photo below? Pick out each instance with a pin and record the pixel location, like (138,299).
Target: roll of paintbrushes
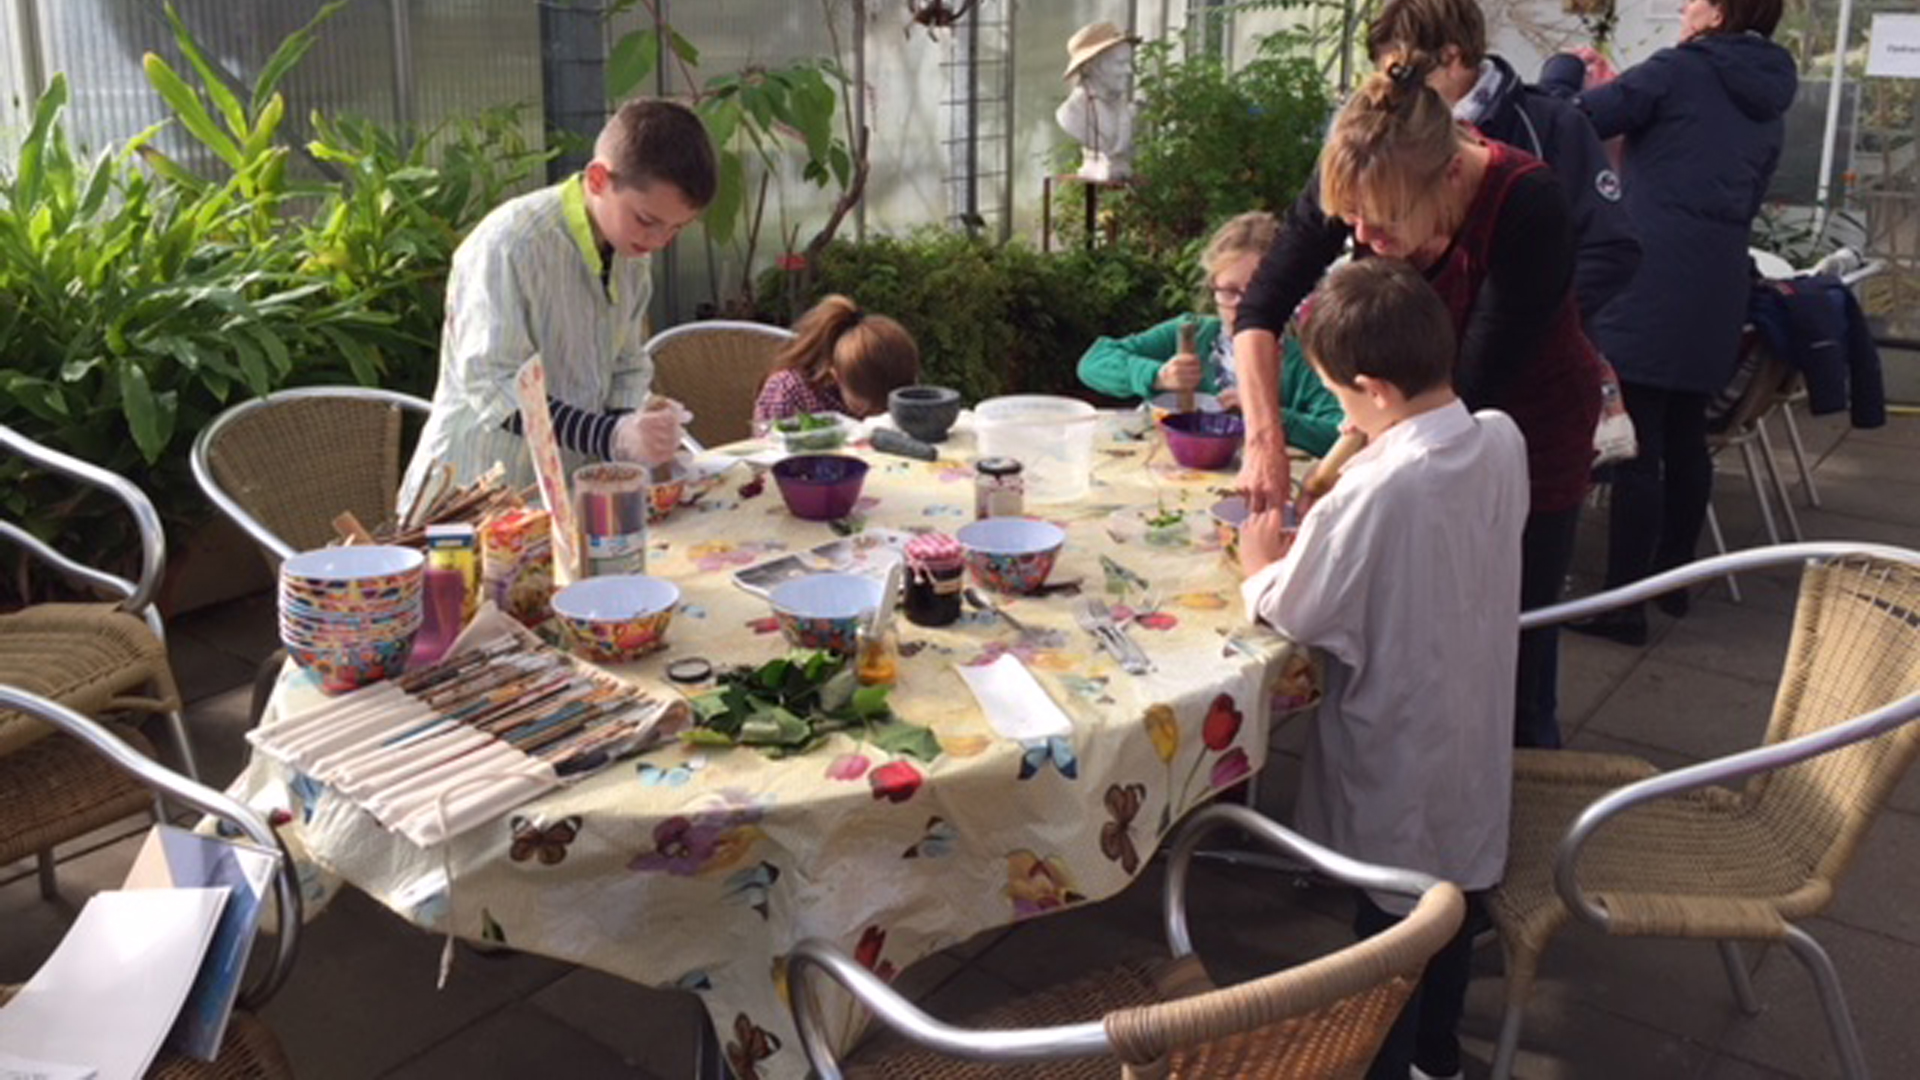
(610,503)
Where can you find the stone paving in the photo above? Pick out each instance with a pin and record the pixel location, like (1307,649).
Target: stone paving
(362,1001)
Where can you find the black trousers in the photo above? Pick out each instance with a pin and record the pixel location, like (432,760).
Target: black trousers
(1427,1033)
(1660,497)
(1546,551)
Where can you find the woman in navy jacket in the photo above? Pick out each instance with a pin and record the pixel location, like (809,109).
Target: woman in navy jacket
(1703,123)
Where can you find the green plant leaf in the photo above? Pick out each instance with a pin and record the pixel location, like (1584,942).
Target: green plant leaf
(265,127)
(210,76)
(44,132)
(902,738)
(171,170)
(870,702)
(190,110)
(288,54)
(142,410)
(723,213)
(683,48)
(633,59)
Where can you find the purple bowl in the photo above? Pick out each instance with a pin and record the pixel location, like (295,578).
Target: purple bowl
(1204,440)
(820,487)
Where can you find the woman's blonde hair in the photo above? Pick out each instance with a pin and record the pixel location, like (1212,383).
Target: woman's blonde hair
(1250,233)
(870,355)
(1389,146)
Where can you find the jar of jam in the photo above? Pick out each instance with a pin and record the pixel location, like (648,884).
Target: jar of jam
(998,488)
(935,568)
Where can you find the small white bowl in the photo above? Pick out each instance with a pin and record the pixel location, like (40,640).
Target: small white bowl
(825,611)
(1011,536)
(353,563)
(616,596)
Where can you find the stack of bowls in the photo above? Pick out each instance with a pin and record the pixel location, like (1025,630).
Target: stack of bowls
(349,615)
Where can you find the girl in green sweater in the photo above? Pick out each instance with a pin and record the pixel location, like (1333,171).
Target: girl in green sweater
(1150,362)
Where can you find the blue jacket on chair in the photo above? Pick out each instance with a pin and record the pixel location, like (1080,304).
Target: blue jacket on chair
(1816,324)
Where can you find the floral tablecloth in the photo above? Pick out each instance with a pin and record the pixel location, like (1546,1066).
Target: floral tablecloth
(699,868)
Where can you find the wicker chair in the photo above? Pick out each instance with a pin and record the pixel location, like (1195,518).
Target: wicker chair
(282,467)
(1634,852)
(1325,1018)
(96,658)
(285,465)
(249,1050)
(715,369)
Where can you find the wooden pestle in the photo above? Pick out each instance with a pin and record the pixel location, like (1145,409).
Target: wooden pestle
(1320,479)
(1187,347)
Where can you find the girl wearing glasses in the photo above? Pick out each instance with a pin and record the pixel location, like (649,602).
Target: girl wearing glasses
(1150,362)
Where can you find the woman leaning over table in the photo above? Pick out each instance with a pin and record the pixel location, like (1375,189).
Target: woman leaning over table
(1704,123)
(1489,227)
(1151,361)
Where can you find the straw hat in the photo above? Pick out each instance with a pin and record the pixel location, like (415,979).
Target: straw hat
(1090,41)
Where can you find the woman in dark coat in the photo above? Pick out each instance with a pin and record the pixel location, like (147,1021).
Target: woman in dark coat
(1703,123)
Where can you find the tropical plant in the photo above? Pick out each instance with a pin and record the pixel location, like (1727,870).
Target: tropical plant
(138,298)
(1213,143)
(756,117)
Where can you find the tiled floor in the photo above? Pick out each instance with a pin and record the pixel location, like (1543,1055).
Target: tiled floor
(362,1002)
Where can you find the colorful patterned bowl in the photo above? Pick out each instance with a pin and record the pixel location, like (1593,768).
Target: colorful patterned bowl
(349,667)
(820,487)
(825,611)
(1204,440)
(1228,515)
(1010,554)
(618,618)
(365,568)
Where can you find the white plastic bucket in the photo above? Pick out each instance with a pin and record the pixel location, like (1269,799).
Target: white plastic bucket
(1051,437)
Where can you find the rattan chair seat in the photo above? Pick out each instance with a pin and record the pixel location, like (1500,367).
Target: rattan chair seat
(57,789)
(248,1051)
(92,658)
(1703,864)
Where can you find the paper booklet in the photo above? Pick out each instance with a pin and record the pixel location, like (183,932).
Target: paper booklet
(175,858)
(869,552)
(105,999)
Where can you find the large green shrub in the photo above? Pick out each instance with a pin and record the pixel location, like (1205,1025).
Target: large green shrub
(1211,143)
(993,319)
(138,299)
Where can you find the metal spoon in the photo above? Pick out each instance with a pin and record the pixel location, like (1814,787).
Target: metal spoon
(979,599)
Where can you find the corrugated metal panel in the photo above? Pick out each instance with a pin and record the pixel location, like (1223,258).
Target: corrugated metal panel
(471,55)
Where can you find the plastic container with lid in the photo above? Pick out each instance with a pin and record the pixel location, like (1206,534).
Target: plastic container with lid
(1051,436)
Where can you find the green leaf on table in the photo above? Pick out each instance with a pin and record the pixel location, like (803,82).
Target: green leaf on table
(870,702)
(775,726)
(837,692)
(701,736)
(909,740)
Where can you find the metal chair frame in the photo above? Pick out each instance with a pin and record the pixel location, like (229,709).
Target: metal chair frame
(136,597)
(815,958)
(201,458)
(1719,772)
(164,782)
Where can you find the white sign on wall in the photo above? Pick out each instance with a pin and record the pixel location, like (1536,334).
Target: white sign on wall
(1894,46)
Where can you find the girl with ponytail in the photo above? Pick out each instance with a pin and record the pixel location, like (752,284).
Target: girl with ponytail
(842,359)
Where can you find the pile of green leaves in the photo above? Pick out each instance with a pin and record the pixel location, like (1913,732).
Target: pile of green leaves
(992,318)
(790,705)
(1212,143)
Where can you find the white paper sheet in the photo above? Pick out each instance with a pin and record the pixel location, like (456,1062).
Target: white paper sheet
(110,991)
(175,858)
(1013,699)
(19,1068)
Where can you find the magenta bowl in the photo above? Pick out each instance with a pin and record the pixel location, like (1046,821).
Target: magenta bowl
(820,487)
(1204,440)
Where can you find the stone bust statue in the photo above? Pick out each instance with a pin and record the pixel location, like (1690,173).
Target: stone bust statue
(1098,112)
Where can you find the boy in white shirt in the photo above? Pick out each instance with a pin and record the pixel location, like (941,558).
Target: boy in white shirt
(1407,576)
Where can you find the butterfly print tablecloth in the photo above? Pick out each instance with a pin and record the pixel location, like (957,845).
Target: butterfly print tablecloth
(699,868)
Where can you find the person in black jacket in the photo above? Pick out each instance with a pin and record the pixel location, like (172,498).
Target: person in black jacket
(1704,122)
(1484,91)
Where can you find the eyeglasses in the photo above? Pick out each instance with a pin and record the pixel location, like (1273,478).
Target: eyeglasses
(1228,294)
